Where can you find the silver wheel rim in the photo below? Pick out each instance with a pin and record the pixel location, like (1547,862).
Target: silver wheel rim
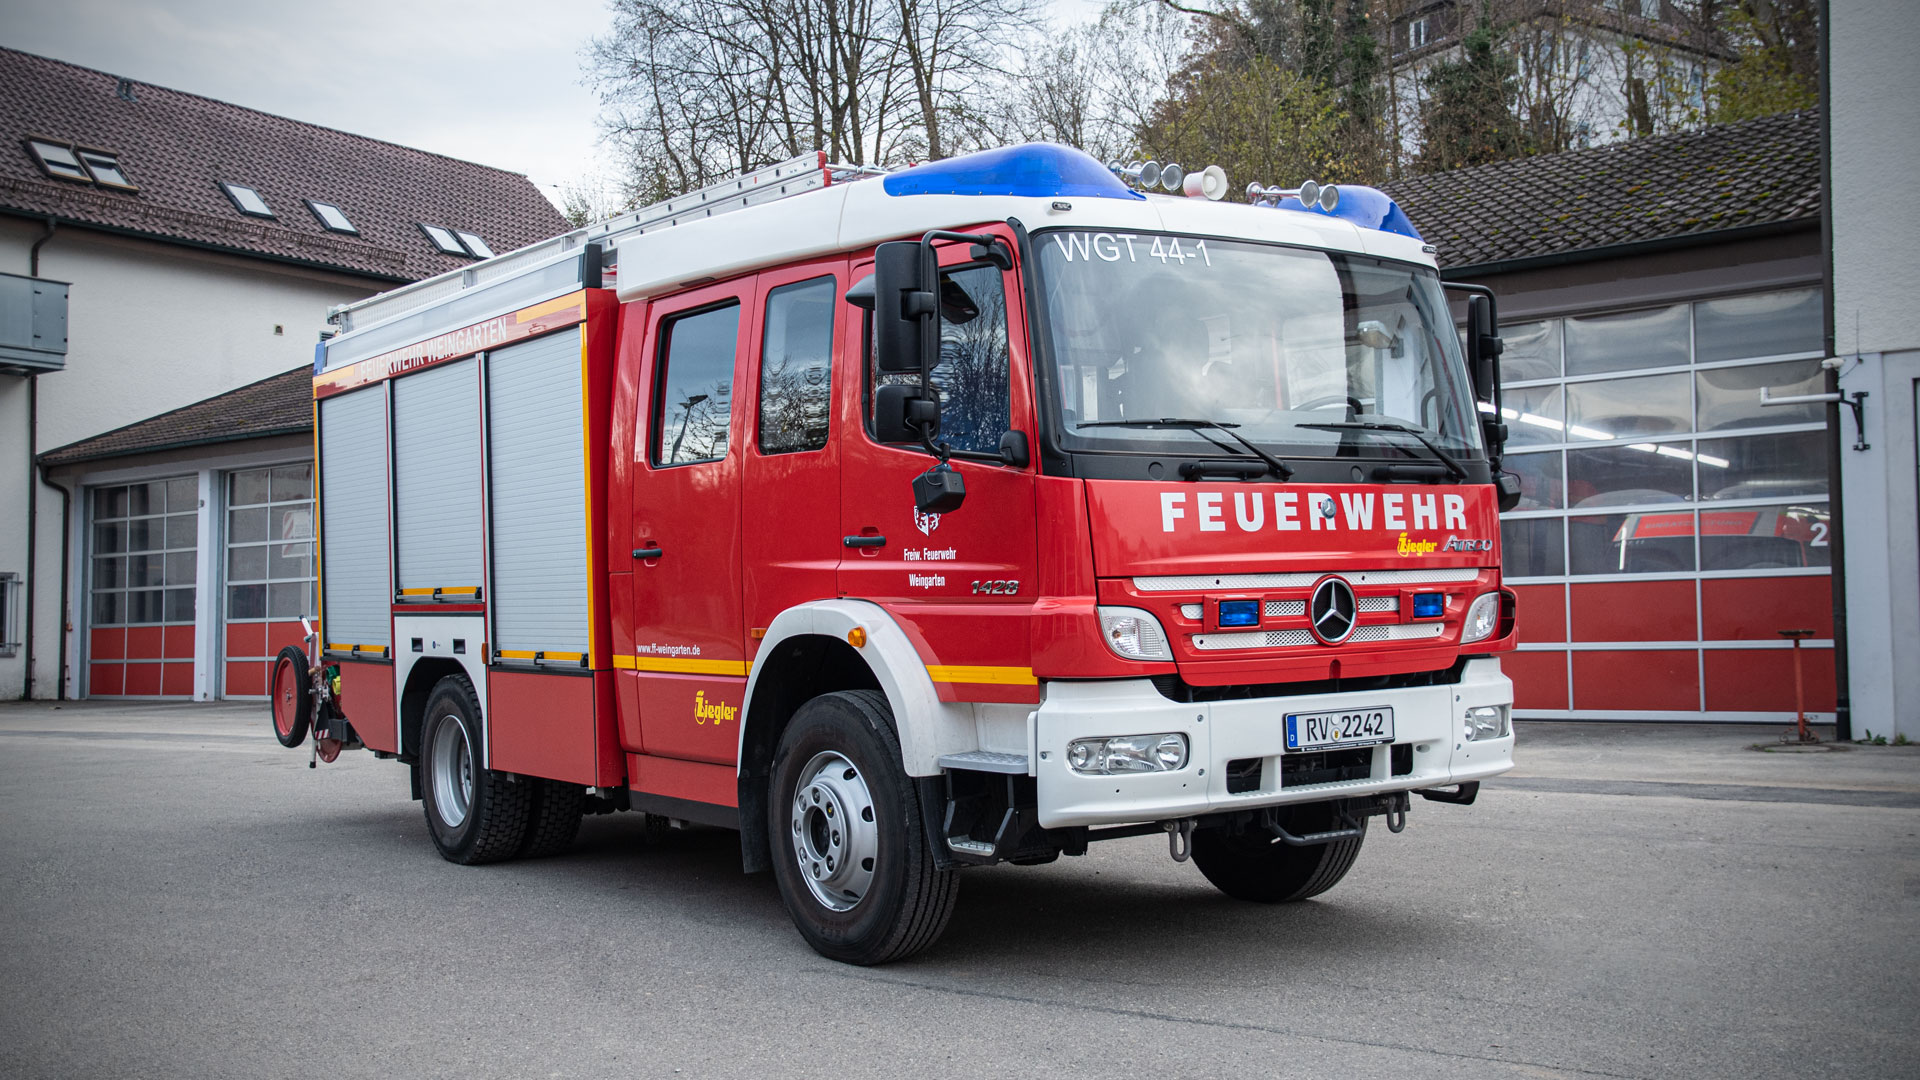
(835,837)
(452,769)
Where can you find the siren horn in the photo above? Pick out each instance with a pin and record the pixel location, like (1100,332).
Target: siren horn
(1209,183)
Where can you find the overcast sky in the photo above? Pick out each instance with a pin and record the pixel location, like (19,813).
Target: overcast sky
(492,81)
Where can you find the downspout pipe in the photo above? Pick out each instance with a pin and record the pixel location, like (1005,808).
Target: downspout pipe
(33,477)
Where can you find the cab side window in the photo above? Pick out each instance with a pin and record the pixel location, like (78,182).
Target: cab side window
(973,372)
(796,362)
(693,387)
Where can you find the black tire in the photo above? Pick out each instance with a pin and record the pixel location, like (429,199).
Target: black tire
(1252,866)
(290,697)
(492,823)
(553,817)
(895,901)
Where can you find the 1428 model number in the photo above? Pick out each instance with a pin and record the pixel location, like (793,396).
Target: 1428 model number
(995,588)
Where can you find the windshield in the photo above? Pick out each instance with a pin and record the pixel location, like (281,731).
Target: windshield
(1271,339)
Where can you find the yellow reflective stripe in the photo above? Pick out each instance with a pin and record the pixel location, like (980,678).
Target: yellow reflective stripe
(530,654)
(471,590)
(337,646)
(996,676)
(676,665)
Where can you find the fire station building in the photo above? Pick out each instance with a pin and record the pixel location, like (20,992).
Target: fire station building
(166,266)
(1672,524)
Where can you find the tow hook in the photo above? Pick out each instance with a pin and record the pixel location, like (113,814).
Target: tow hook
(1179,838)
(1397,805)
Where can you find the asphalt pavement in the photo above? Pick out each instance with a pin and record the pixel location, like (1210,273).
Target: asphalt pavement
(183,898)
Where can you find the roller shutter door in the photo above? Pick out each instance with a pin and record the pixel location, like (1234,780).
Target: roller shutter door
(539,497)
(436,451)
(353,520)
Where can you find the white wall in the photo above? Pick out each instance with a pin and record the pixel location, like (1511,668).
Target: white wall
(151,327)
(1876,276)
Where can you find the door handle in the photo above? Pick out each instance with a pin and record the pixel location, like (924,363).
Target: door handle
(646,553)
(864,541)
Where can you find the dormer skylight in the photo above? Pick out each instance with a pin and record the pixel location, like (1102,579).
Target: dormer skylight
(59,161)
(106,169)
(247,200)
(331,217)
(65,161)
(443,239)
(474,244)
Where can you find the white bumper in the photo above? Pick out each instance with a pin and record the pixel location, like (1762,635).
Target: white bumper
(1428,717)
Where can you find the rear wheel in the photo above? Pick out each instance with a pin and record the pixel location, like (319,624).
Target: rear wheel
(1251,865)
(850,852)
(553,817)
(291,697)
(475,815)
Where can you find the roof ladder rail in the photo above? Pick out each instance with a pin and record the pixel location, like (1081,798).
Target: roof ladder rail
(807,172)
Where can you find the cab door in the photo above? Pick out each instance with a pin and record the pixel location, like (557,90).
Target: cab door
(792,502)
(962,582)
(689,662)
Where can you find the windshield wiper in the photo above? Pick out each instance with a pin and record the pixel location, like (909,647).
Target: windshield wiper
(1280,468)
(1458,470)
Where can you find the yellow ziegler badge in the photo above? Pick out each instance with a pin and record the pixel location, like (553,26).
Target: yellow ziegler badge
(704,711)
(1417,547)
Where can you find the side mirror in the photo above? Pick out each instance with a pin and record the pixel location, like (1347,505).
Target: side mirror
(905,305)
(1013,449)
(1483,347)
(1483,367)
(1506,487)
(901,413)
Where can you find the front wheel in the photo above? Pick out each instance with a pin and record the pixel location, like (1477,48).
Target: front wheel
(850,852)
(1253,866)
(475,815)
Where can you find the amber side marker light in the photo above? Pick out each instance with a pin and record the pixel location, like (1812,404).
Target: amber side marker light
(857,637)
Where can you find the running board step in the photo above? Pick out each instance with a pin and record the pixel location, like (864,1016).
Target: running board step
(986,761)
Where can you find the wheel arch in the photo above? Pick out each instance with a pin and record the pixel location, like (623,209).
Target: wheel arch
(425,674)
(806,653)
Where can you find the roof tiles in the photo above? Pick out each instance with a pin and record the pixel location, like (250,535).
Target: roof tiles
(279,405)
(1722,177)
(177,147)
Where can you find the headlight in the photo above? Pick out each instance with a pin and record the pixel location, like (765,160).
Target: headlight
(1486,722)
(1128,754)
(1482,617)
(1134,634)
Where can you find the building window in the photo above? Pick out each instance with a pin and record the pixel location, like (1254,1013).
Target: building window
(10,616)
(270,580)
(1418,31)
(443,240)
(59,161)
(142,574)
(474,244)
(247,200)
(106,169)
(332,218)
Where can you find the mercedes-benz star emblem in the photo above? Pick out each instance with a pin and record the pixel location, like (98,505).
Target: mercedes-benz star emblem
(1332,611)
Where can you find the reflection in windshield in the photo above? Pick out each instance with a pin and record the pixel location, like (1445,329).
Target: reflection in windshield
(1269,338)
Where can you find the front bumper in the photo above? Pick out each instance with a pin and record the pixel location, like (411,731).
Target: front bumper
(1429,718)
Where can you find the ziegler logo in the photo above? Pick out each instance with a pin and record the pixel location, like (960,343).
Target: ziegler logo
(1416,547)
(926,523)
(703,710)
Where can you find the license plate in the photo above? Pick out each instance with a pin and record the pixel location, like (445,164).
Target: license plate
(1341,727)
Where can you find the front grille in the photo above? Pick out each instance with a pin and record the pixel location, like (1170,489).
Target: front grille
(1274,639)
(1326,767)
(1367,603)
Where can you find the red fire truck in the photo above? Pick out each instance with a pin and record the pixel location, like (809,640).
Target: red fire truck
(911,521)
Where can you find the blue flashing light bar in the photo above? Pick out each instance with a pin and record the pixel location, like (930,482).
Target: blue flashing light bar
(1428,605)
(1369,208)
(1239,613)
(1038,170)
